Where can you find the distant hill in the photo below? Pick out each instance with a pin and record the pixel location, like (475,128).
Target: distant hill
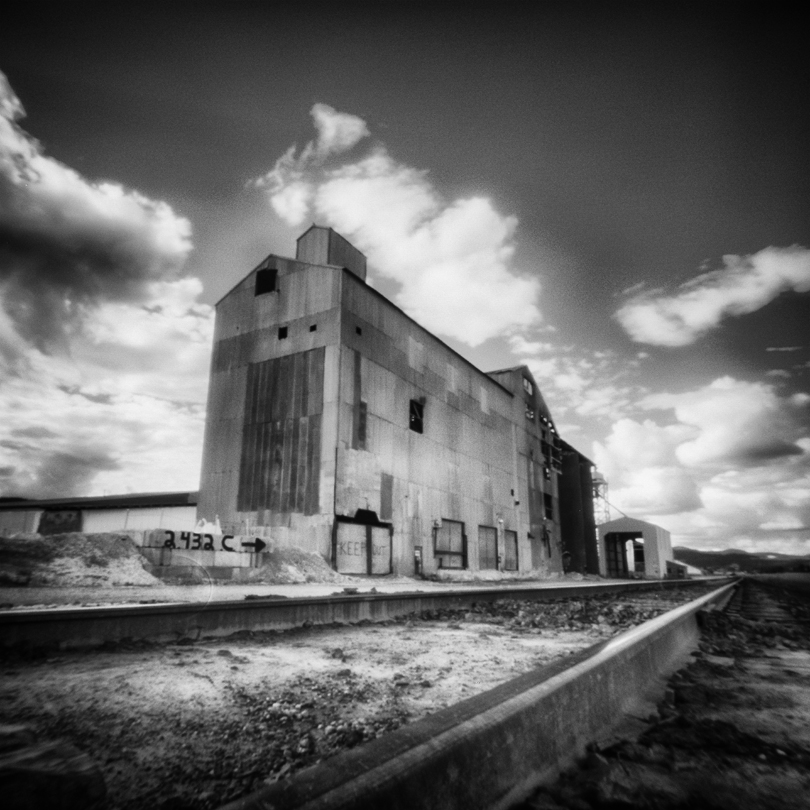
(758,562)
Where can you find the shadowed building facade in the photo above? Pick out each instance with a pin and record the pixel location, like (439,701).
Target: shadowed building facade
(338,424)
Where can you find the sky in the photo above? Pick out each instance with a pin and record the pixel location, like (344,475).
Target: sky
(617,195)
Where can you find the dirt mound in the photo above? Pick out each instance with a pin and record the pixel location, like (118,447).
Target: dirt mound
(72,560)
(292,565)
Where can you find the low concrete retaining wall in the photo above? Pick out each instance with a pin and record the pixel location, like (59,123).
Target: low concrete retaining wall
(493,749)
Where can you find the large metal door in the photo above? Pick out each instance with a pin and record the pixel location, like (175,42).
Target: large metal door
(380,539)
(362,549)
(616,556)
(487,548)
(510,555)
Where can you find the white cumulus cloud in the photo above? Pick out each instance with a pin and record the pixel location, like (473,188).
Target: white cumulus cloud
(337,131)
(104,346)
(731,469)
(737,422)
(744,284)
(452,259)
(67,242)
(645,476)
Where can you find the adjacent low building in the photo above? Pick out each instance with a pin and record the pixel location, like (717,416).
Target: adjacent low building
(155,510)
(630,547)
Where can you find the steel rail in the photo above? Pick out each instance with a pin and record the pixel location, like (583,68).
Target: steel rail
(76,628)
(491,751)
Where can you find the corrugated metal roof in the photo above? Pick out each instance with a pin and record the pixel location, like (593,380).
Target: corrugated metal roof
(571,448)
(144,499)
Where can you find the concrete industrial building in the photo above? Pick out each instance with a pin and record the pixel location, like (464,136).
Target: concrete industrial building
(338,424)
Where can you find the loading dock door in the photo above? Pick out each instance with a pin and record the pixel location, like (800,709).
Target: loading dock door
(487,548)
(363,549)
(616,558)
(624,554)
(510,558)
(450,547)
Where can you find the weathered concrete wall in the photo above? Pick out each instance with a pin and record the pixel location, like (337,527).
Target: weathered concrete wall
(268,457)
(477,461)
(314,386)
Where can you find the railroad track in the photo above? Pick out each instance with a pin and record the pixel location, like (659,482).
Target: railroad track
(76,628)
(734,728)
(492,750)
(488,751)
(764,599)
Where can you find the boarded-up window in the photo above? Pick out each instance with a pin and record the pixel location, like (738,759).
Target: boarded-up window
(60,521)
(510,555)
(450,548)
(487,548)
(281,437)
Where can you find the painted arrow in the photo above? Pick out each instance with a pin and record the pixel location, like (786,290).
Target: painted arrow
(257,545)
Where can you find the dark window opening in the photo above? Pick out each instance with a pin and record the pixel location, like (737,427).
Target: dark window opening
(450,544)
(282,332)
(546,539)
(266,280)
(547,473)
(362,421)
(358,330)
(548,503)
(314,327)
(417,416)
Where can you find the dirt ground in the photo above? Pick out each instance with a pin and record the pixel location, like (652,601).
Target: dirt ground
(106,569)
(733,733)
(194,725)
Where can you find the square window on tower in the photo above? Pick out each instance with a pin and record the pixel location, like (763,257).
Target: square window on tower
(266,280)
